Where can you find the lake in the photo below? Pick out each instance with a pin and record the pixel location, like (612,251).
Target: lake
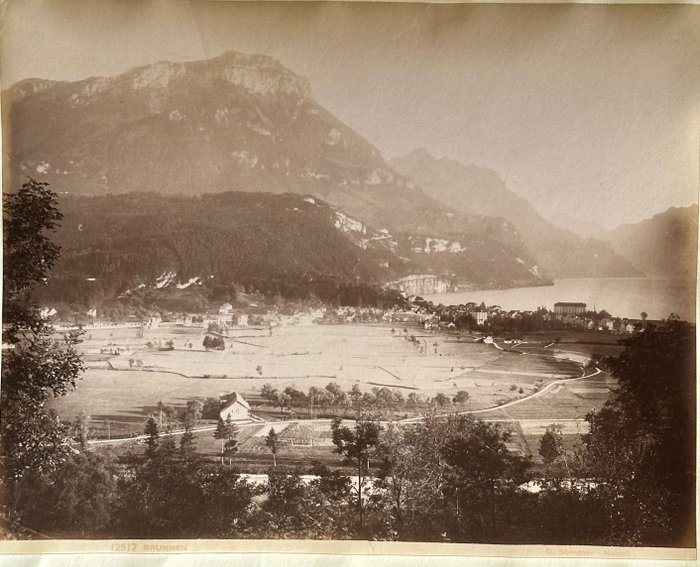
(622,297)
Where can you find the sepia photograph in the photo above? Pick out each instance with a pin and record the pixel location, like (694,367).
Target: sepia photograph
(349,272)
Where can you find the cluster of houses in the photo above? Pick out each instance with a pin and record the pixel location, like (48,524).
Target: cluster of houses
(566,314)
(227,318)
(224,317)
(348,314)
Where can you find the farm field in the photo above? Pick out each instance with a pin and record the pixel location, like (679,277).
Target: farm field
(119,391)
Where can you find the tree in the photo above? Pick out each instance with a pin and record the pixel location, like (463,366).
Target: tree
(163,496)
(160,408)
(461,398)
(227,498)
(28,256)
(641,446)
(284,400)
(338,397)
(151,430)
(227,432)
(357,447)
(441,400)
(81,429)
(268,393)
(170,415)
(482,479)
(193,412)
(35,365)
(355,395)
(230,449)
(221,433)
(413,400)
(272,442)
(76,499)
(552,447)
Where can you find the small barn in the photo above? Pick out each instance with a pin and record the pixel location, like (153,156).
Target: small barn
(236,407)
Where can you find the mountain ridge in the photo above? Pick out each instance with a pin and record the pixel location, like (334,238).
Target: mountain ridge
(664,244)
(479,190)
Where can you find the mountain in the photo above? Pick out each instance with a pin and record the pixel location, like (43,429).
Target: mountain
(240,123)
(663,245)
(476,190)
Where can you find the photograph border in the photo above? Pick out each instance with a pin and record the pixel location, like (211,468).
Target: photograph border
(137,551)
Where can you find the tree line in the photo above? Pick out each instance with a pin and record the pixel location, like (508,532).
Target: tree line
(333,400)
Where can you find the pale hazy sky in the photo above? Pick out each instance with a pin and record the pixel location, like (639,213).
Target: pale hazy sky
(590,110)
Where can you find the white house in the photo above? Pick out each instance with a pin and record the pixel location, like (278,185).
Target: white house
(242,320)
(237,408)
(226,309)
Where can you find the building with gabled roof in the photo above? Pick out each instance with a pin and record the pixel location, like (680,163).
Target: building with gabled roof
(236,407)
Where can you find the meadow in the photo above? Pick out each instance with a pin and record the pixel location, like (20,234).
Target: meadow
(127,376)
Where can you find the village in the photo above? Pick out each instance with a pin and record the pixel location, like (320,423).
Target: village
(415,310)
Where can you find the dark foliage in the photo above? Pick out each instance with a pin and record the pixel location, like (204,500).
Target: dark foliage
(641,447)
(35,365)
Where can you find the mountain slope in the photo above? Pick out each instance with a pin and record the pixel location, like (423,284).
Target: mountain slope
(114,246)
(582,227)
(663,245)
(295,245)
(477,190)
(238,123)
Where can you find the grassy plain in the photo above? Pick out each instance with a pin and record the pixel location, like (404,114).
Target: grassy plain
(119,395)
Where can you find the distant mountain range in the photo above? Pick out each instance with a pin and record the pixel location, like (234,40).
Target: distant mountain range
(664,245)
(477,190)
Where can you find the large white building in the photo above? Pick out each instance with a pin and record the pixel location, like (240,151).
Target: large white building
(569,308)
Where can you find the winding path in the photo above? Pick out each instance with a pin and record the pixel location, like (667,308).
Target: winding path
(532,396)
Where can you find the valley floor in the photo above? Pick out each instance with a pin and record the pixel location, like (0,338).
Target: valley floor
(526,388)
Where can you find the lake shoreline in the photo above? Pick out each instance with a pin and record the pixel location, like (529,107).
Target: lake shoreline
(622,296)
